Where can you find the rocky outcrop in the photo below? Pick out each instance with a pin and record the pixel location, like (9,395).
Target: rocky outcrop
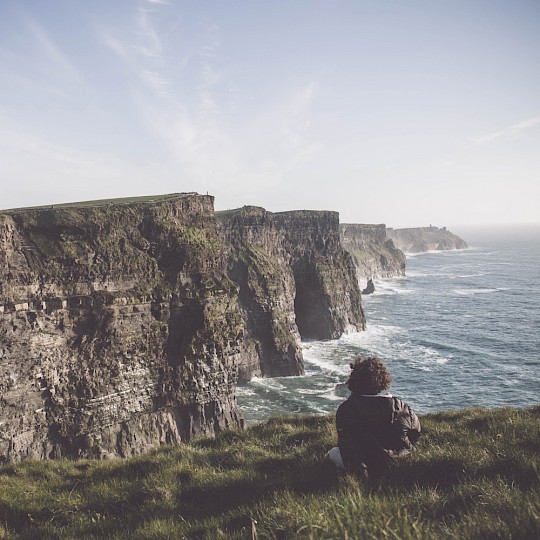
(119,329)
(420,239)
(327,301)
(370,287)
(373,253)
(258,263)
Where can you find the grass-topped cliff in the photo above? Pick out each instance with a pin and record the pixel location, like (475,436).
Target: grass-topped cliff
(475,475)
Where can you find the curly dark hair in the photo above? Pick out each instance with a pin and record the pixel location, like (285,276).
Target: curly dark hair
(369,376)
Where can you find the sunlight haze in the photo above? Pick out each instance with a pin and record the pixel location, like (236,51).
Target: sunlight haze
(406,113)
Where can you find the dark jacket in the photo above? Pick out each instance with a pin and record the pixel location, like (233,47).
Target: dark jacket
(373,431)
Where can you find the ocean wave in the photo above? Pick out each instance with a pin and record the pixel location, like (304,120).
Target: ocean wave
(316,391)
(245,391)
(482,290)
(463,276)
(434,334)
(390,287)
(441,252)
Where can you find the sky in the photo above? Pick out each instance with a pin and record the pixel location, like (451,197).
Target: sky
(404,112)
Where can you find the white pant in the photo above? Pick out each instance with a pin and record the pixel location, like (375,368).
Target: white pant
(334,456)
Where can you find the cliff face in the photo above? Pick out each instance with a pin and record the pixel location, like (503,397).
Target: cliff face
(373,253)
(258,263)
(119,329)
(420,239)
(327,301)
(124,325)
(295,280)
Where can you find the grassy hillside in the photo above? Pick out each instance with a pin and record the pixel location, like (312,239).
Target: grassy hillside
(475,475)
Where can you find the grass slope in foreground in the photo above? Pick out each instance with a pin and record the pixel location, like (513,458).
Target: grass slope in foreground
(475,475)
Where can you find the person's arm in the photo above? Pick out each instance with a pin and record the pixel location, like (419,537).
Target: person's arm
(349,438)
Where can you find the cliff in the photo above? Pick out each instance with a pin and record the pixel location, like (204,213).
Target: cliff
(373,253)
(126,324)
(119,328)
(327,301)
(295,280)
(420,239)
(258,263)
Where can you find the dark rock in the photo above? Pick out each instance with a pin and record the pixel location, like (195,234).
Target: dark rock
(295,280)
(124,324)
(370,287)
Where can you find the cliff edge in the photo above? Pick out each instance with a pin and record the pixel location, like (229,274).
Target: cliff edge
(328,301)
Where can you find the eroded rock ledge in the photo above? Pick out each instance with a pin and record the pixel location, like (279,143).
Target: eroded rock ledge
(327,301)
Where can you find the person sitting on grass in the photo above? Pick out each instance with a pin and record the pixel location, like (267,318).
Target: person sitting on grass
(373,429)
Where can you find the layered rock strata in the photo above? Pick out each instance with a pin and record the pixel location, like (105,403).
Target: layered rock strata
(119,329)
(420,239)
(258,262)
(327,301)
(373,253)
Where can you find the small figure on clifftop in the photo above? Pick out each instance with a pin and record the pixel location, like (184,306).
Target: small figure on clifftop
(370,288)
(374,430)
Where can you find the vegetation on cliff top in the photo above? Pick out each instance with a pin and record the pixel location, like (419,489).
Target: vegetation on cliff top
(475,475)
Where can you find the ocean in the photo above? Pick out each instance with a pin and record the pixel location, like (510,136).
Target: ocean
(462,329)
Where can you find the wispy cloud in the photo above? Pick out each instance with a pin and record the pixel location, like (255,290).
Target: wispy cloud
(55,55)
(181,107)
(143,55)
(511,131)
(150,42)
(41,165)
(196,110)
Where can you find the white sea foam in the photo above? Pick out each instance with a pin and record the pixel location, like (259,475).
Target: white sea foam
(479,274)
(323,361)
(331,396)
(390,287)
(371,333)
(484,290)
(270,383)
(315,391)
(441,252)
(245,391)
